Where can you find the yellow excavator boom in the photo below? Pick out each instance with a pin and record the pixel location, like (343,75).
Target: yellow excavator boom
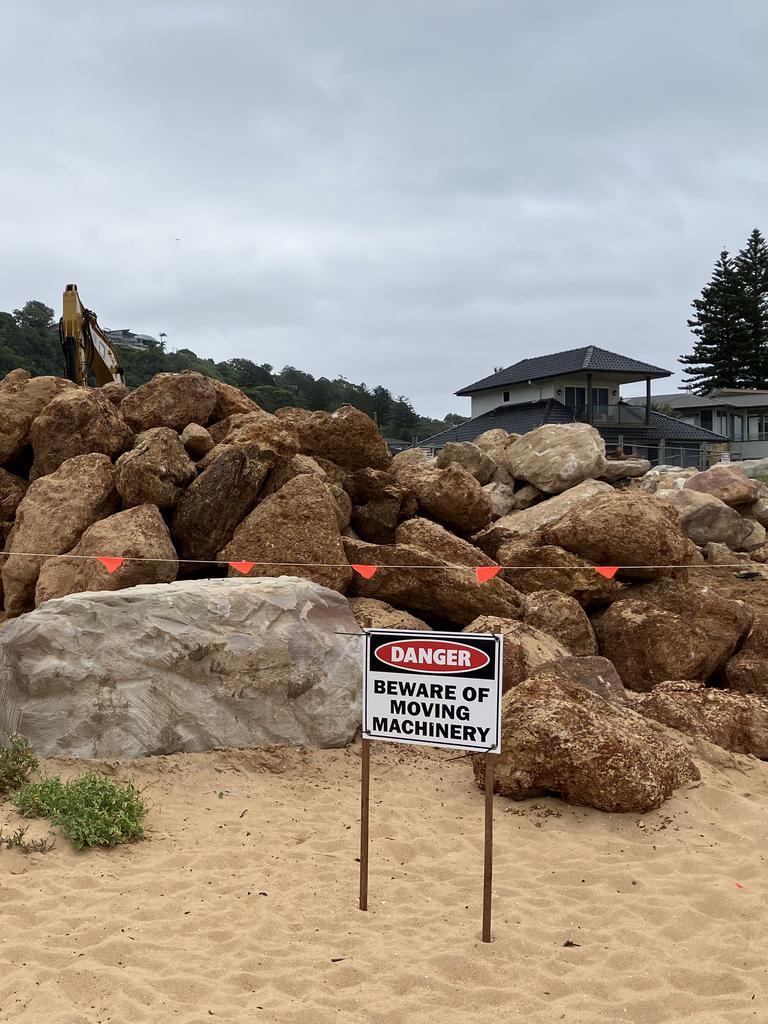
(86,345)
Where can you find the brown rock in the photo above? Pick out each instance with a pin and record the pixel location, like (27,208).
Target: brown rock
(196,440)
(73,423)
(593,673)
(452,594)
(495,439)
(230,401)
(217,501)
(728,483)
(114,391)
(757,510)
(558,737)
(347,437)
(51,518)
(297,531)
(526,649)
(256,430)
(138,533)
(170,400)
(286,469)
(704,517)
(620,469)
(452,495)
(555,569)
(371,614)
(22,399)
(501,498)
(14,376)
(379,504)
(563,618)
(155,471)
(429,536)
(747,671)
(470,457)
(627,528)
(557,456)
(735,721)
(527,496)
(12,490)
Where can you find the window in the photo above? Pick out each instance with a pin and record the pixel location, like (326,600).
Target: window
(575,398)
(706,418)
(505,396)
(599,396)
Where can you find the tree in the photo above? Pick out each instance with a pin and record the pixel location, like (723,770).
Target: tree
(720,357)
(751,266)
(34,314)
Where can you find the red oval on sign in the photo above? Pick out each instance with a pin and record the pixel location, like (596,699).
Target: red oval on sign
(432,656)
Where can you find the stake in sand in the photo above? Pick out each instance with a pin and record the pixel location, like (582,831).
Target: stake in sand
(440,689)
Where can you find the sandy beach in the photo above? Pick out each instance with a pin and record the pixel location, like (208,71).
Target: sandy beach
(241,905)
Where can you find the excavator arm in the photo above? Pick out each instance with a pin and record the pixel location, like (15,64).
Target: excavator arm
(86,345)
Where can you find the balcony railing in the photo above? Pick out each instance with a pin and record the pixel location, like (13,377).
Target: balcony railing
(631,415)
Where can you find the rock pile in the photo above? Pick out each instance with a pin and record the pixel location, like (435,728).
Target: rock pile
(185,476)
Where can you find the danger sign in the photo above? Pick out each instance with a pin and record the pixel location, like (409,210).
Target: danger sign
(443,689)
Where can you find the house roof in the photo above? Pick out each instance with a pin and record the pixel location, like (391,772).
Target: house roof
(732,398)
(519,419)
(589,359)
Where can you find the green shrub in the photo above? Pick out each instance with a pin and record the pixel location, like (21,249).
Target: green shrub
(17,763)
(39,799)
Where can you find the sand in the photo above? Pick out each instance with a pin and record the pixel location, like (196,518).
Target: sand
(241,906)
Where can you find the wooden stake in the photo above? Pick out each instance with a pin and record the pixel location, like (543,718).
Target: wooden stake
(490,760)
(364,815)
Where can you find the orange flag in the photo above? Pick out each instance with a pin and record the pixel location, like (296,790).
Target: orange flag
(486,572)
(366,571)
(110,564)
(243,567)
(609,571)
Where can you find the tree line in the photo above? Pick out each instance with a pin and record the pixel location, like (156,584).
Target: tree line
(730,322)
(29,339)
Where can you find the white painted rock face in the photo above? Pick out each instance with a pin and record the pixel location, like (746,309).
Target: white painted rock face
(187,666)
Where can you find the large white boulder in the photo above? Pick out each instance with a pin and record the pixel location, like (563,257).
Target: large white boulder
(186,666)
(556,456)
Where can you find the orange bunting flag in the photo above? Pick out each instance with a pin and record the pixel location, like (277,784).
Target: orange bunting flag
(243,567)
(366,571)
(486,572)
(609,571)
(110,564)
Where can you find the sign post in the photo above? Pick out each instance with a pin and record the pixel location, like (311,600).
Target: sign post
(439,689)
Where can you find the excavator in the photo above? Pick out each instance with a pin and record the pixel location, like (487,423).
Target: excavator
(86,345)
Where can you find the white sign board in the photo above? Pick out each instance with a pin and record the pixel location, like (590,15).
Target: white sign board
(441,689)
(725,457)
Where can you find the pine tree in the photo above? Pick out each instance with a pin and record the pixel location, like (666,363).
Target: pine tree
(720,357)
(751,266)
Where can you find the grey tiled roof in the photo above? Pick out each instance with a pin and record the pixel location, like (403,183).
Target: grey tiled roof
(588,359)
(519,419)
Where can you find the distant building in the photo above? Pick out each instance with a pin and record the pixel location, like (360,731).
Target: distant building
(127,339)
(583,384)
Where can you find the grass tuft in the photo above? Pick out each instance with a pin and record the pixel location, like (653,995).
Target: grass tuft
(17,764)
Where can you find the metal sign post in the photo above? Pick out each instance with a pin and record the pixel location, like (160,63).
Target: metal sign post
(439,689)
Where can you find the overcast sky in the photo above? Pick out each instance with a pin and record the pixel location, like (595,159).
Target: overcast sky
(407,193)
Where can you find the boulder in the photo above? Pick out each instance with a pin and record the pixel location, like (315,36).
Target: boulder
(76,422)
(379,504)
(755,469)
(52,517)
(501,498)
(719,554)
(14,377)
(470,457)
(530,567)
(192,666)
(286,469)
(757,510)
(452,496)
(255,430)
(747,670)
(408,458)
(755,539)
(503,476)
(531,520)
(138,533)
(704,517)
(525,648)
(620,469)
(214,504)
(494,439)
(22,399)
(230,401)
(664,478)
(12,490)
(293,531)
(429,536)
(347,437)
(593,673)
(627,528)
(527,496)
(371,614)
(735,721)
(452,594)
(562,617)
(726,482)
(558,737)
(196,440)
(169,400)
(155,471)
(557,456)
(114,391)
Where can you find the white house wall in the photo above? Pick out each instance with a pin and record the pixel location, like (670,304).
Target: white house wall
(484,401)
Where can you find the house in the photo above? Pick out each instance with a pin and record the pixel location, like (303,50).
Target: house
(127,339)
(583,384)
(740,414)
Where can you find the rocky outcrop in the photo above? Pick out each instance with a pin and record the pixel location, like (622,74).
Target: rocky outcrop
(525,649)
(428,536)
(293,531)
(558,737)
(169,400)
(347,437)
(728,483)
(451,594)
(22,399)
(372,614)
(562,617)
(557,456)
(52,516)
(548,567)
(470,457)
(155,471)
(735,721)
(196,440)
(188,667)
(138,535)
(76,422)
